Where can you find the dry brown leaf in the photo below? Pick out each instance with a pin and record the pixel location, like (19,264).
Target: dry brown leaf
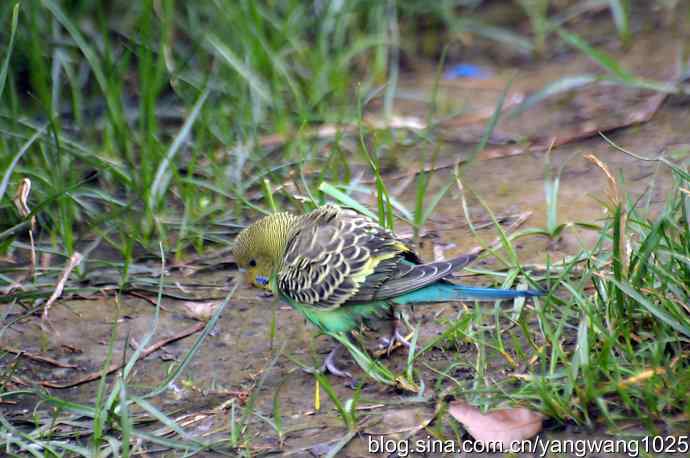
(501,425)
(202,311)
(616,198)
(614,193)
(641,377)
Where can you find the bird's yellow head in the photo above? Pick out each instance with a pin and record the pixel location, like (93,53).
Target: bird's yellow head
(259,247)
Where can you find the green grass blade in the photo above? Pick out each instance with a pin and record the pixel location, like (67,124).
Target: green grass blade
(411,355)
(605,60)
(172,376)
(94,61)
(678,323)
(125,419)
(337,448)
(253,80)
(371,367)
(159,185)
(69,406)
(277,414)
(8,52)
(683,174)
(491,125)
(345,200)
(185,446)
(156,317)
(268,195)
(429,209)
(402,211)
(101,413)
(498,34)
(620,10)
(161,417)
(638,263)
(330,391)
(8,173)
(559,86)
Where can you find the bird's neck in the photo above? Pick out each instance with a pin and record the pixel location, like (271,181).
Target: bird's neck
(281,225)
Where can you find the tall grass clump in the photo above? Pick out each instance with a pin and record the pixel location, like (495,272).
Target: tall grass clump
(612,340)
(144,121)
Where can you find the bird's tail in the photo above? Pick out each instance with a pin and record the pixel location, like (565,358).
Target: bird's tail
(492,294)
(463,260)
(446,291)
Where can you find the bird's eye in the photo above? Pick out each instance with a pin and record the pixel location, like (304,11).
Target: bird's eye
(252,263)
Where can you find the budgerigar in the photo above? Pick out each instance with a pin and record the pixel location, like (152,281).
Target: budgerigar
(338,268)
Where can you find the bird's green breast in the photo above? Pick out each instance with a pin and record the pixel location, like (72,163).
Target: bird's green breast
(341,319)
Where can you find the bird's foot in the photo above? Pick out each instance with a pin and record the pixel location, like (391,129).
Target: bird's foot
(329,363)
(396,339)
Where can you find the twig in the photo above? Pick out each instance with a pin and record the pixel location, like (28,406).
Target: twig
(36,357)
(74,261)
(21,201)
(116,366)
(146,298)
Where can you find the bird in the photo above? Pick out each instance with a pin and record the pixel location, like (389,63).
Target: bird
(340,268)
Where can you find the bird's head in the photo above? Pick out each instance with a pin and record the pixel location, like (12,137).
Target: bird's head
(259,248)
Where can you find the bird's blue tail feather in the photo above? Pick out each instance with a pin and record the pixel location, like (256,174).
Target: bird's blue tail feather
(444,292)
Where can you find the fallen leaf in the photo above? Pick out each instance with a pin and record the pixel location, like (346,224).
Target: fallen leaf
(501,425)
(202,311)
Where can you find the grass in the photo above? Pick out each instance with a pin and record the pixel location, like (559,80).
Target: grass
(632,328)
(157,130)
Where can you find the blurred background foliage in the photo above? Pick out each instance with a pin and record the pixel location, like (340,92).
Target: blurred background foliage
(146,120)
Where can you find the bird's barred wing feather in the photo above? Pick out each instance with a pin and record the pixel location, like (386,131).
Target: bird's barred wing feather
(406,277)
(329,255)
(336,256)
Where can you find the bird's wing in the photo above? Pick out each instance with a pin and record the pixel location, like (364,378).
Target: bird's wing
(400,276)
(337,256)
(331,254)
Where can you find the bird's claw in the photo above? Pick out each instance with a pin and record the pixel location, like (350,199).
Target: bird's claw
(330,366)
(332,369)
(396,339)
